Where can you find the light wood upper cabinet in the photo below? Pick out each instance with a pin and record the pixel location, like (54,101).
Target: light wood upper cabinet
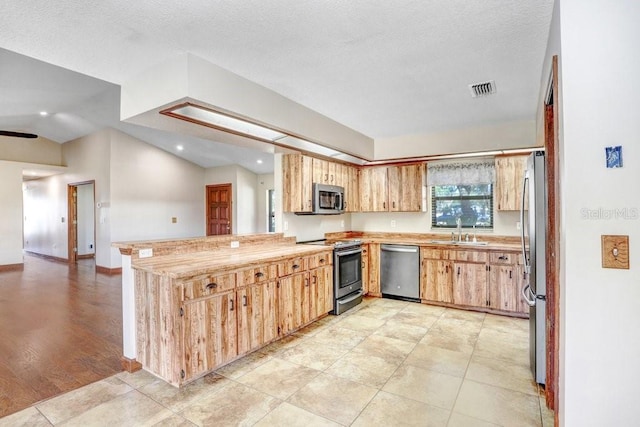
(509,179)
(392,189)
(351,181)
(373,189)
(296,183)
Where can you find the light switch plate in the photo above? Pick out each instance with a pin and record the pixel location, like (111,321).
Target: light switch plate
(615,251)
(145,253)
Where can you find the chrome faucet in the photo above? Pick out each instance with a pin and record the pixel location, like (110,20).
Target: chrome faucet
(459,224)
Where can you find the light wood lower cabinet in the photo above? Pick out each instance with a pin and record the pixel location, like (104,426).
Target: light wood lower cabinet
(365,269)
(374,270)
(187,328)
(210,334)
(470,284)
(257,322)
(471,278)
(437,280)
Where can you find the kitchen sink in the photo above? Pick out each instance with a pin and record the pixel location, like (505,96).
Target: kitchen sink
(456,243)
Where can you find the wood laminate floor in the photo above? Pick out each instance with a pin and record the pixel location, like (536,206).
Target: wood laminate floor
(60,329)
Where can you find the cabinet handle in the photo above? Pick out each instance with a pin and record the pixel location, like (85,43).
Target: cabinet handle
(315,279)
(322,261)
(394,204)
(259,274)
(331,178)
(306,282)
(446,268)
(509,274)
(295,266)
(231,302)
(458,271)
(326,177)
(384,205)
(244,300)
(502,257)
(212,285)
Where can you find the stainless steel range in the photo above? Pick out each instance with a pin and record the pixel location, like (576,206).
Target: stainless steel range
(347,274)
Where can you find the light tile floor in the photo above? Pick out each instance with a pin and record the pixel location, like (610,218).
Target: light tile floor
(384,363)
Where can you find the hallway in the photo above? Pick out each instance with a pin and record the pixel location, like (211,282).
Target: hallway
(60,329)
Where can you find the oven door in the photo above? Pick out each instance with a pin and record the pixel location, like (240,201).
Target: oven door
(347,270)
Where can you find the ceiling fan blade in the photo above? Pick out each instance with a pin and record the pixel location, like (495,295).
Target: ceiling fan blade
(17,134)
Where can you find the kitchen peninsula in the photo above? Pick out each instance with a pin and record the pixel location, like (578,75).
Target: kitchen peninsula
(193,305)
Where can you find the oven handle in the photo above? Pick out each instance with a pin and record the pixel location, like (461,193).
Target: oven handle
(348,300)
(351,252)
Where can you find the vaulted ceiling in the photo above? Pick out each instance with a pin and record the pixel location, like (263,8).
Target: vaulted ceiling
(382,68)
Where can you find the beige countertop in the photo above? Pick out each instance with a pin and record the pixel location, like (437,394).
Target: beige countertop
(223,259)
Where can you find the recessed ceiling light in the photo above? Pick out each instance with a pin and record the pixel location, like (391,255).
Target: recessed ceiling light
(259,161)
(44,113)
(179,147)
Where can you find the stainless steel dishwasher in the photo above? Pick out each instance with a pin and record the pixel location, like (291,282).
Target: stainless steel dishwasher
(400,271)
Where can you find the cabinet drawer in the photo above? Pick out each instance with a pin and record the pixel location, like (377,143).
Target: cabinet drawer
(293,265)
(505,258)
(209,285)
(431,253)
(470,256)
(257,274)
(320,260)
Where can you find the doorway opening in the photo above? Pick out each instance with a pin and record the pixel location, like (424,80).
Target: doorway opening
(81,222)
(219,209)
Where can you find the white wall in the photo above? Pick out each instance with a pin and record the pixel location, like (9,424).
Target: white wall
(265,183)
(10,213)
(600,343)
(509,135)
(244,188)
(86,219)
(148,188)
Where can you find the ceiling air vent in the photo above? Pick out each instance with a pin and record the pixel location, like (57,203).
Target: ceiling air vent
(482,89)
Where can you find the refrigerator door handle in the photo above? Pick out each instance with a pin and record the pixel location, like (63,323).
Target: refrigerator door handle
(526,293)
(525,260)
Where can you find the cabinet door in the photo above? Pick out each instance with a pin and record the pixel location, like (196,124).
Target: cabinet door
(321,291)
(296,183)
(293,302)
(320,172)
(365,269)
(373,189)
(412,181)
(503,287)
(522,305)
(352,189)
(210,334)
(509,175)
(470,284)
(374,269)
(436,282)
(394,185)
(256,316)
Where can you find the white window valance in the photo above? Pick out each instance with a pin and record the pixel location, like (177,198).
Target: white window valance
(461,172)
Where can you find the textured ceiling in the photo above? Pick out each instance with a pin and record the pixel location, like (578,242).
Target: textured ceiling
(383,68)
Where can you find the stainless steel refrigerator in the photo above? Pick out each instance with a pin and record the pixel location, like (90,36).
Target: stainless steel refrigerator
(533,219)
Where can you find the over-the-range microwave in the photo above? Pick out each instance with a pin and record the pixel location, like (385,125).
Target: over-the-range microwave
(326,200)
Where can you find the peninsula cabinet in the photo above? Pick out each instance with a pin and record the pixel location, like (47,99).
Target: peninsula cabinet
(510,172)
(187,327)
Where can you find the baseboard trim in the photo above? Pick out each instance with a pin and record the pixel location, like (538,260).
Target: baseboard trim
(12,267)
(49,257)
(86,256)
(108,271)
(130,365)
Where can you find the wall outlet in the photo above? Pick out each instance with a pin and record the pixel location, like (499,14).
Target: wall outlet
(342,223)
(393,223)
(145,253)
(90,245)
(285,225)
(235,244)
(174,219)
(62,219)
(518,225)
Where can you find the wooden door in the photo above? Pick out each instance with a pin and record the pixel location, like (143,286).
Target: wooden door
(72,223)
(373,189)
(210,333)
(219,209)
(321,291)
(470,284)
(436,282)
(504,293)
(256,316)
